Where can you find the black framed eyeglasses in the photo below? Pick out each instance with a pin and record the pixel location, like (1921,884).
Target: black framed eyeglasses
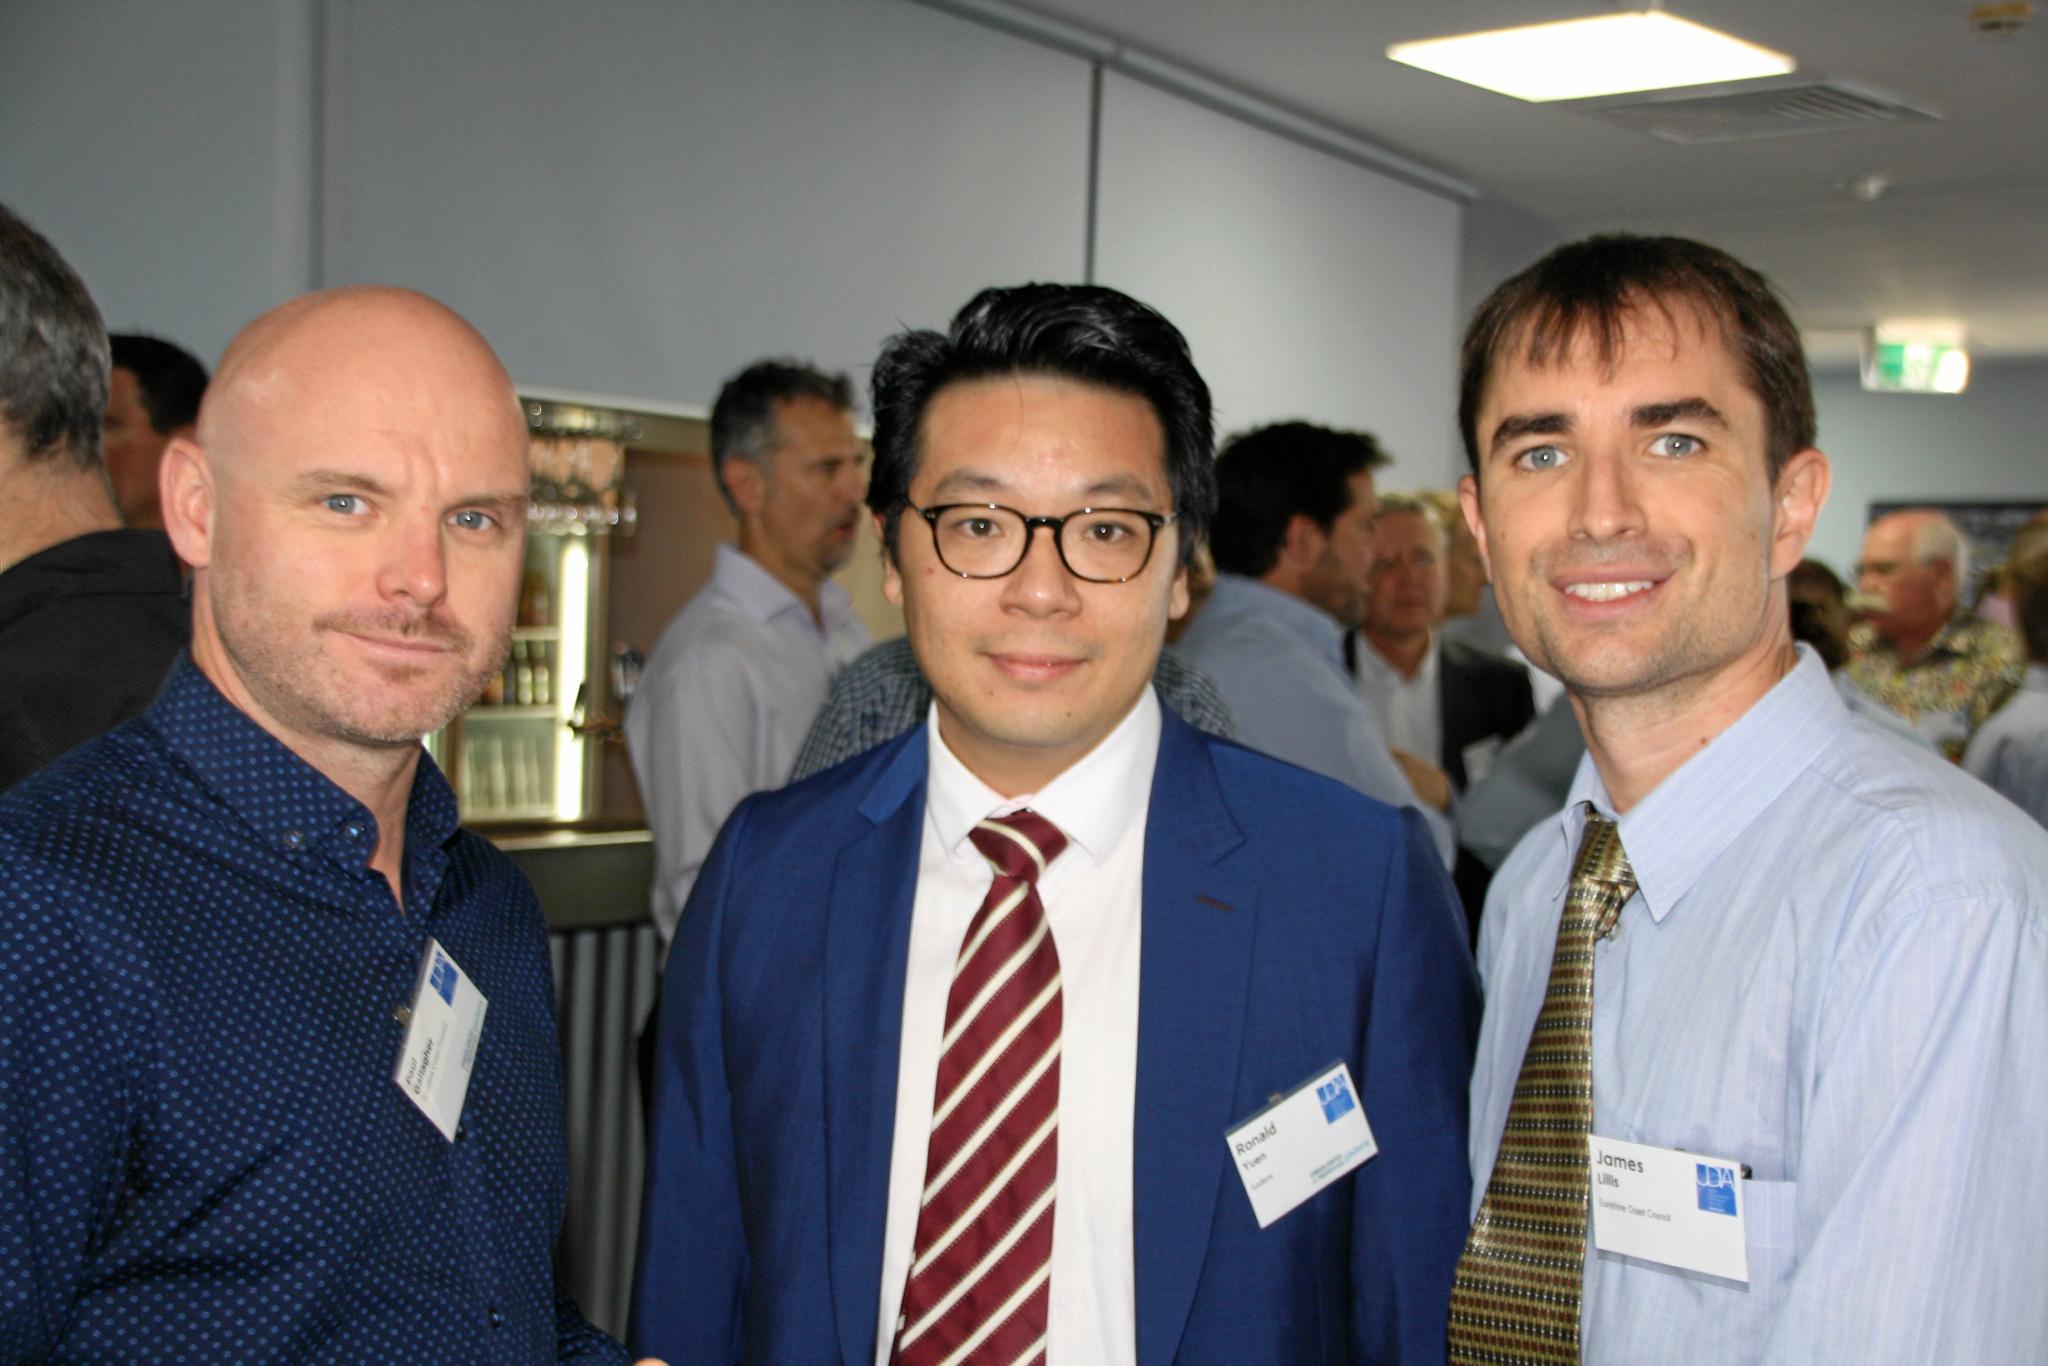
(988,540)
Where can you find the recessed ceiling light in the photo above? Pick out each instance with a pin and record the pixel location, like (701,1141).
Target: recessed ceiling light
(1609,54)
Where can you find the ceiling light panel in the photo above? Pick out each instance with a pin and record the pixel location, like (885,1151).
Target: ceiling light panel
(1610,54)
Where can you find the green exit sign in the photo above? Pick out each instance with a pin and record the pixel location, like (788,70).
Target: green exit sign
(1915,367)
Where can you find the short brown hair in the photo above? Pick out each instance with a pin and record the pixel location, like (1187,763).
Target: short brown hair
(1594,284)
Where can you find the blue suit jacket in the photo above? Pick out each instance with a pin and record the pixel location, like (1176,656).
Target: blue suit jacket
(1288,922)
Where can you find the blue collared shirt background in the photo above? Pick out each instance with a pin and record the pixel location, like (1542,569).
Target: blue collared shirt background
(205,1156)
(2010,752)
(1835,971)
(1279,663)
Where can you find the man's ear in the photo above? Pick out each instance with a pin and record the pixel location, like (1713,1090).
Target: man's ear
(185,488)
(1301,547)
(1468,503)
(892,576)
(746,483)
(1801,492)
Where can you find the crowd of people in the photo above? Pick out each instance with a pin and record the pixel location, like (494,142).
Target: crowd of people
(1249,916)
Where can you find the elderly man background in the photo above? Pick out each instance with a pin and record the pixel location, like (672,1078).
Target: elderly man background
(1923,654)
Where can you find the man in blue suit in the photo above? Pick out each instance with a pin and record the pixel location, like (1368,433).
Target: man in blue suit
(890,1125)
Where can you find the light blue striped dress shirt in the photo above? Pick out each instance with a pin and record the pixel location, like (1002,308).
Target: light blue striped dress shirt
(1835,971)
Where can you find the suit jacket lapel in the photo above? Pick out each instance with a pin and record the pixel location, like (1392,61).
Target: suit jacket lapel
(867,943)
(1196,959)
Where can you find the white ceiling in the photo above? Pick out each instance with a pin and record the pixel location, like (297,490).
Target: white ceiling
(1960,231)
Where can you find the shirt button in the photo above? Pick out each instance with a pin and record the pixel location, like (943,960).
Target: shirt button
(352,830)
(402,1013)
(497,1319)
(293,839)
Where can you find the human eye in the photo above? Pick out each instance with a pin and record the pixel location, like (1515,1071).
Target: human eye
(347,504)
(972,524)
(1109,528)
(474,519)
(1677,445)
(1540,458)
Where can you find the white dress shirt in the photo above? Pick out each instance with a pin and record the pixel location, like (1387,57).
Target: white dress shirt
(1093,895)
(722,707)
(1835,970)
(1411,710)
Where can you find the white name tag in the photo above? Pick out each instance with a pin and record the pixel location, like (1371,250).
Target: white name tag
(440,1040)
(1301,1143)
(1662,1205)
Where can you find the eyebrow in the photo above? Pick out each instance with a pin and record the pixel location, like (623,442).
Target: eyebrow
(1682,409)
(1519,425)
(980,482)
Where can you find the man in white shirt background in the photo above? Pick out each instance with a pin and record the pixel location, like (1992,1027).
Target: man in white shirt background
(737,676)
(1450,703)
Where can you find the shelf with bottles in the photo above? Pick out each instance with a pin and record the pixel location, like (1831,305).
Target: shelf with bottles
(507,777)
(528,682)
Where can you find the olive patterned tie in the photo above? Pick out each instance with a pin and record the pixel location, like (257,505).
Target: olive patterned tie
(1516,1296)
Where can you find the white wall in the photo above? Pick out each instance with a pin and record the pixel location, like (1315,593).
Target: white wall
(639,198)
(635,197)
(1308,287)
(167,151)
(1989,443)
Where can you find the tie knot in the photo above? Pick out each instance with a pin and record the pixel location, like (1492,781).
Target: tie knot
(1020,844)
(1601,858)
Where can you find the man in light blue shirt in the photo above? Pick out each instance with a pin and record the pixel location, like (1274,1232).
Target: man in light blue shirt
(2010,751)
(739,674)
(1834,968)
(1293,542)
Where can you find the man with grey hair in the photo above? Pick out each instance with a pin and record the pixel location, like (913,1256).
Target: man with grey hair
(738,675)
(1923,654)
(90,614)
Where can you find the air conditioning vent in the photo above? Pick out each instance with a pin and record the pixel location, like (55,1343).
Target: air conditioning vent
(1740,116)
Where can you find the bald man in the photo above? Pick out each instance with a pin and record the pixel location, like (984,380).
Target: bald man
(1924,655)
(278,1071)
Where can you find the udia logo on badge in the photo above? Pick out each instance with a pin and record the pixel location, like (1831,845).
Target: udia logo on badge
(1336,1099)
(442,977)
(1716,1188)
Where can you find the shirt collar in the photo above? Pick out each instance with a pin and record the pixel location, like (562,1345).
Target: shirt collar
(762,596)
(1091,802)
(290,805)
(1689,820)
(1316,627)
(1425,672)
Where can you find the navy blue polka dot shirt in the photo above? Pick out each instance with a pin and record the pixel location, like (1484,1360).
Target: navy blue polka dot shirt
(203,1154)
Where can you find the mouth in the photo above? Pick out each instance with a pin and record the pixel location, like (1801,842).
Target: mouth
(1035,668)
(407,649)
(1611,590)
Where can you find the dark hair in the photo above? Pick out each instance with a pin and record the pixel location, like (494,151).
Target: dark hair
(1592,286)
(1088,333)
(171,379)
(1269,476)
(53,351)
(743,418)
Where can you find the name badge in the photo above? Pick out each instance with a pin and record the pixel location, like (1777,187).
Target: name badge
(1301,1143)
(1677,1209)
(440,1040)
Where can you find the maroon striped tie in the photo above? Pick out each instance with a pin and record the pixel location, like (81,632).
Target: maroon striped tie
(980,1271)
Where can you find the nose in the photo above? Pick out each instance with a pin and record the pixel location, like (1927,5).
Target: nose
(853,482)
(415,561)
(1607,503)
(1040,586)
